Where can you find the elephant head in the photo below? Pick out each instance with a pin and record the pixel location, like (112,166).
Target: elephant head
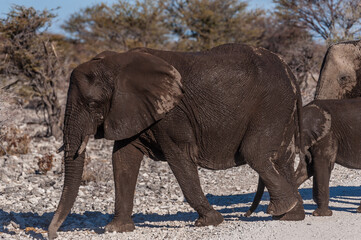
(316,126)
(340,75)
(115,96)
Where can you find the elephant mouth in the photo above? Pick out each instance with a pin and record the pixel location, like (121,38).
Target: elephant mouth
(83,145)
(80,150)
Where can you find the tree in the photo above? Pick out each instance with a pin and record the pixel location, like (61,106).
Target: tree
(203,24)
(297,47)
(120,26)
(32,61)
(333,20)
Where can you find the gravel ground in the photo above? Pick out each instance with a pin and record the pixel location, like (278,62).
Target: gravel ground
(28,200)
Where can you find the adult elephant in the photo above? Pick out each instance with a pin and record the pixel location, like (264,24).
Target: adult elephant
(340,75)
(217,109)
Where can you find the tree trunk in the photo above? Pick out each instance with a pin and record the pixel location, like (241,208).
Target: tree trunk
(55,116)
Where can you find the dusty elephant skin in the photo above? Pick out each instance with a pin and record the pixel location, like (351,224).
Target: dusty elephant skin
(340,75)
(217,109)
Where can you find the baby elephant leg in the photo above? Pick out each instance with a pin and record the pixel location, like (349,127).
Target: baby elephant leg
(359,209)
(324,155)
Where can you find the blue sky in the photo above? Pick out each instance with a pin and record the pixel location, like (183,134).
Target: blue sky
(67,7)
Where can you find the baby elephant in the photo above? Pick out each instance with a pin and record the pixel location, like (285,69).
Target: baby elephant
(331,134)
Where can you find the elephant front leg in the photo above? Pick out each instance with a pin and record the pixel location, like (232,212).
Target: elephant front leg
(323,164)
(321,191)
(126,164)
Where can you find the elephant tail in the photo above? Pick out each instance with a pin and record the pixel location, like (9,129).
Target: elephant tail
(257,198)
(300,144)
(303,171)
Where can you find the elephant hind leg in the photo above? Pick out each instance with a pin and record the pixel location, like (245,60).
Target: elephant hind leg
(272,166)
(297,213)
(186,173)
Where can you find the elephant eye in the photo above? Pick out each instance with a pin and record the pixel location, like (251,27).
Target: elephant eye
(344,80)
(92,104)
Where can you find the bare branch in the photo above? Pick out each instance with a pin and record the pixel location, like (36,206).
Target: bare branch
(33,61)
(333,20)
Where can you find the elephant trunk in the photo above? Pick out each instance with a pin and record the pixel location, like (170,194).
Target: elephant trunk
(74,152)
(72,180)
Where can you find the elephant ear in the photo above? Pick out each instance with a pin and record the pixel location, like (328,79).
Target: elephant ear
(146,88)
(316,124)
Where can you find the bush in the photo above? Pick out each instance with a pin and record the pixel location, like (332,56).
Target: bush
(45,163)
(31,60)
(13,141)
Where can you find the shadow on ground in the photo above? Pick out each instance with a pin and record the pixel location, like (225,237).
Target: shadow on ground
(350,195)
(96,220)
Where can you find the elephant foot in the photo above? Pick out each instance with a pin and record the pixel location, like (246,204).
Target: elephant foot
(52,232)
(210,218)
(248,213)
(52,235)
(281,206)
(120,226)
(358,209)
(322,212)
(296,214)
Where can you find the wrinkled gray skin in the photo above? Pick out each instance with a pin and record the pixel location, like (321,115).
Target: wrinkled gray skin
(217,109)
(331,134)
(340,75)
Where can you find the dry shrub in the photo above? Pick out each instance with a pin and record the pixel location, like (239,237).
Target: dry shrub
(45,163)
(13,141)
(32,65)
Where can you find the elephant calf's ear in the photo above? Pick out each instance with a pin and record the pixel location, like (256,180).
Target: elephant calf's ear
(316,124)
(146,89)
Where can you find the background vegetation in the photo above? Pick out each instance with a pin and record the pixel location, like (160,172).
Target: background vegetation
(35,64)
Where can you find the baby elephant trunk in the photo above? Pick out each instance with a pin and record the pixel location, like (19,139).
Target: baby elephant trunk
(304,170)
